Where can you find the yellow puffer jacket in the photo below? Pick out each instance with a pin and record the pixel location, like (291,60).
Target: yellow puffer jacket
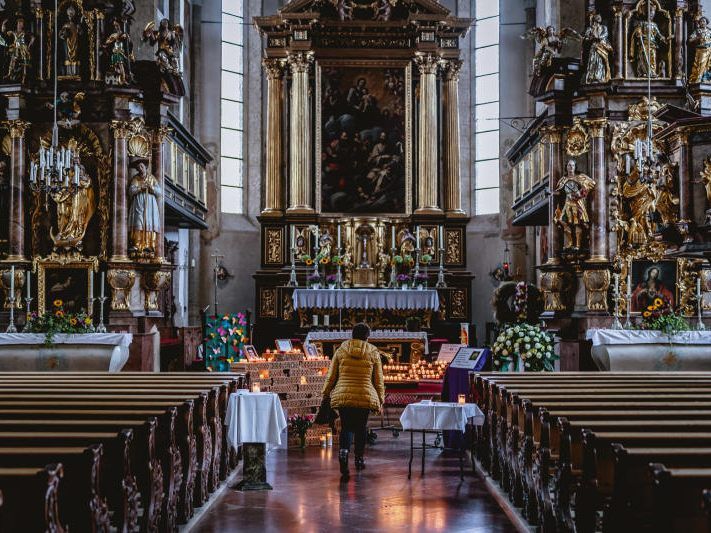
(355,378)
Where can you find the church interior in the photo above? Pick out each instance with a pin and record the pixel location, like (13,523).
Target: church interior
(355,265)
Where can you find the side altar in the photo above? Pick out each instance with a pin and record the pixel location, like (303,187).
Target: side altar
(363,162)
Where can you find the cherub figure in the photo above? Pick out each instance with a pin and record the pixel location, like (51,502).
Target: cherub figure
(550,42)
(169,40)
(382,9)
(344,9)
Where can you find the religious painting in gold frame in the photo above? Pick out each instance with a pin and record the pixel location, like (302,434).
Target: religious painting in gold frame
(69,282)
(363,138)
(652,280)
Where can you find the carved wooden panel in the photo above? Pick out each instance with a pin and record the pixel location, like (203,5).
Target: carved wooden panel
(268,302)
(454,246)
(273,245)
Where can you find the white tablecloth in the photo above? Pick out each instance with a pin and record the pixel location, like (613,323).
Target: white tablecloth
(366,299)
(254,417)
(116,339)
(379,334)
(440,416)
(626,336)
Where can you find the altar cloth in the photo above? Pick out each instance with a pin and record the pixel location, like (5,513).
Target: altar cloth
(378,334)
(439,416)
(642,336)
(254,417)
(426,299)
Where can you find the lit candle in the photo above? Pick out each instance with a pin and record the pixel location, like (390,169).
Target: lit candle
(91,285)
(256,387)
(102,284)
(322,438)
(12,281)
(28,277)
(462,398)
(303,380)
(329,439)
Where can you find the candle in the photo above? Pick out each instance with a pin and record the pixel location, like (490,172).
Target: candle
(256,387)
(440,236)
(303,380)
(417,230)
(314,319)
(322,438)
(293,237)
(617,284)
(629,283)
(698,286)
(28,277)
(462,398)
(102,284)
(91,285)
(392,236)
(339,237)
(329,439)
(12,282)
(326,320)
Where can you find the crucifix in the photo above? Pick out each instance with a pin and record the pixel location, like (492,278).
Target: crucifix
(216,256)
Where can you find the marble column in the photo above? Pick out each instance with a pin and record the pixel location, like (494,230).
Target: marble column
(157,161)
(16,244)
(39,43)
(427,153)
(273,189)
(119,215)
(97,19)
(679,44)
(680,145)
(619,42)
(450,139)
(300,179)
(598,222)
(552,137)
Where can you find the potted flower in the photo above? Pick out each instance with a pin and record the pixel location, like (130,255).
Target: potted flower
(403,280)
(314,280)
(299,425)
(331,281)
(420,280)
(525,348)
(660,316)
(56,321)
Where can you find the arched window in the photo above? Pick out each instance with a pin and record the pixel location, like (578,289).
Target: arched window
(232,123)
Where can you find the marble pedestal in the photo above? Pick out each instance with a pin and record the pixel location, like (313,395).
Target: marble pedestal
(254,470)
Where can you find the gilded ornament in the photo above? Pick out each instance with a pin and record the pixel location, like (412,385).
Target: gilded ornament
(458,305)
(644,108)
(169,39)
(152,282)
(706,179)
(598,48)
(573,217)
(287,307)
(19,54)
(555,286)
(118,50)
(74,211)
(550,42)
(17,129)
(451,69)
(300,62)
(267,302)
(274,68)
(121,282)
(426,63)
(597,283)
(577,141)
(5,276)
(273,245)
(69,34)
(453,247)
(646,41)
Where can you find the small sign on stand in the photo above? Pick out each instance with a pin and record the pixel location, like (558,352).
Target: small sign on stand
(467,358)
(448,351)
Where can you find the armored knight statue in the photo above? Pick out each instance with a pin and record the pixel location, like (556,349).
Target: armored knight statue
(645,41)
(119,52)
(701,38)
(598,51)
(144,223)
(573,217)
(19,44)
(169,40)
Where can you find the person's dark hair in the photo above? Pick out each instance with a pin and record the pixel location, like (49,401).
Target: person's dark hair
(361,331)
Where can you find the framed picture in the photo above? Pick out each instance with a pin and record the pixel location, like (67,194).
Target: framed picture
(250,352)
(311,350)
(363,136)
(283,345)
(653,279)
(70,283)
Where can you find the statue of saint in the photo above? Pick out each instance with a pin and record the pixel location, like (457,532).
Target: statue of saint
(701,38)
(325,244)
(144,223)
(599,48)
(169,39)
(407,242)
(638,204)
(550,43)
(644,44)
(119,49)
(666,204)
(69,34)
(573,217)
(18,44)
(74,211)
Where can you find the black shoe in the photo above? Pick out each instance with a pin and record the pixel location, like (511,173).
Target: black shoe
(359,463)
(343,461)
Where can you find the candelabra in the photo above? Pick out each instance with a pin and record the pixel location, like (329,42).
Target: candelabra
(101,328)
(11,327)
(339,274)
(28,301)
(91,313)
(393,270)
(628,322)
(441,284)
(417,264)
(293,282)
(616,324)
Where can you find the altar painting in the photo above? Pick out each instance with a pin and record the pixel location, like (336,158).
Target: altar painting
(68,283)
(364,152)
(651,280)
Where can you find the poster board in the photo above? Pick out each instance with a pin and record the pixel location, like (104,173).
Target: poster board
(467,358)
(448,351)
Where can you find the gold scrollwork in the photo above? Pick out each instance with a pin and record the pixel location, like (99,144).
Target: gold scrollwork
(152,282)
(597,283)
(577,140)
(268,302)
(273,245)
(57,261)
(555,284)
(121,282)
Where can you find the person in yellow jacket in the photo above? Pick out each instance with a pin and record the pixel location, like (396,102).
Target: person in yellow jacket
(355,387)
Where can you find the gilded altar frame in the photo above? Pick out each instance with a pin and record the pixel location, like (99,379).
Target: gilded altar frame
(366,63)
(42,265)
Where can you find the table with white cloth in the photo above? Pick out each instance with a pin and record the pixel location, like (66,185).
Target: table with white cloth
(385,306)
(254,419)
(645,350)
(90,352)
(438,416)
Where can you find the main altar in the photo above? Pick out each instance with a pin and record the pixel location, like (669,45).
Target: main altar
(362,173)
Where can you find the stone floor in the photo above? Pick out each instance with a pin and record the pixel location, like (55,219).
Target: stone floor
(309,497)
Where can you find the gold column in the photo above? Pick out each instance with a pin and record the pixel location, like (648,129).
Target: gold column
(427,136)
(300,134)
(452,178)
(273,204)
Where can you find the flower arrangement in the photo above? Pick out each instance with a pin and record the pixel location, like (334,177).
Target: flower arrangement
(403,278)
(660,316)
(421,278)
(307,259)
(331,279)
(524,344)
(520,302)
(313,279)
(426,259)
(338,260)
(56,321)
(299,425)
(397,260)
(226,336)
(323,259)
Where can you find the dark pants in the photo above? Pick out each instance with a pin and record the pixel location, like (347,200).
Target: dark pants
(353,424)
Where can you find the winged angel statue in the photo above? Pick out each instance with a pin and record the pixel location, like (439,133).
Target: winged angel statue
(550,42)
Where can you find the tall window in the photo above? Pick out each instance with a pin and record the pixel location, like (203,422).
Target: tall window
(232,129)
(486,107)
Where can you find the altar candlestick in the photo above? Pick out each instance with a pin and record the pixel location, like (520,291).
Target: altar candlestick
(102,284)
(617,283)
(12,281)
(91,284)
(629,284)
(293,237)
(28,277)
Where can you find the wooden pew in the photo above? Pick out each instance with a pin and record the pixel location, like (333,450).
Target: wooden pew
(677,499)
(30,499)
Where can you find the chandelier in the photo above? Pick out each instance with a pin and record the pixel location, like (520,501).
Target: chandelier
(55,170)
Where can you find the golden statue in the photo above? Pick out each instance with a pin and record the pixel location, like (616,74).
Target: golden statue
(69,34)
(18,45)
(119,49)
(144,222)
(706,179)
(573,217)
(701,37)
(598,63)
(74,211)
(665,203)
(550,43)
(645,42)
(638,204)
(169,40)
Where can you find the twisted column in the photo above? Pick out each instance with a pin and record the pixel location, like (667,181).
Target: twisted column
(300,134)
(273,204)
(427,135)
(450,134)
(598,222)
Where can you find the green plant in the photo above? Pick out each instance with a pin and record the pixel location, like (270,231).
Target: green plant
(524,344)
(58,321)
(661,317)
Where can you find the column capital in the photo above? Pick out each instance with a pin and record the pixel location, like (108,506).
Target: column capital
(426,63)
(679,138)
(125,128)
(17,128)
(451,69)
(274,67)
(161,132)
(551,134)
(596,127)
(300,62)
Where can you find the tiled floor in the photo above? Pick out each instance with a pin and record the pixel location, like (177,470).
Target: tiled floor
(308,496)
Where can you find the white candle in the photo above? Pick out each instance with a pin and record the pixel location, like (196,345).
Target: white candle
(392,236)
(441,237)
(629,283)
(698,286)
(617,283)
(339,237)
(102,284)
(91,284)
(293,237)
(12,281)
(315,320)
(28,277)
(417,230)
(256,387)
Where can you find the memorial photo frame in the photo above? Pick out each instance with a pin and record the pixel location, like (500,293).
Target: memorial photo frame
(283,345)
(250,352)
(311,350)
